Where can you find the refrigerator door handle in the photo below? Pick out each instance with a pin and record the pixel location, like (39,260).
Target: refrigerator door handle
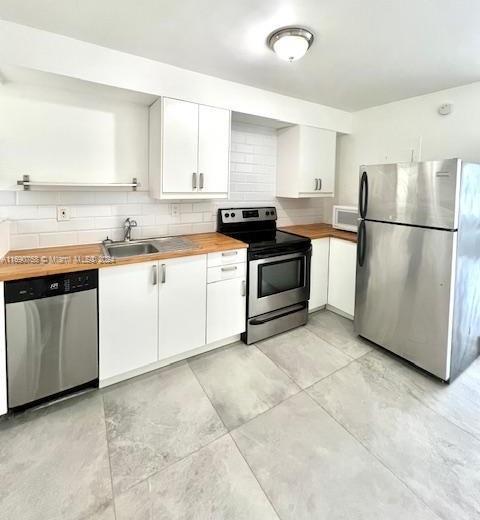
(363,195)
(362,243)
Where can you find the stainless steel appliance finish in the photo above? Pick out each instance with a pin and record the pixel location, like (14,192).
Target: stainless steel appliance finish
(418,275)
(52,336)
(278,271)
(419,194)
(276,322)
(277,281)
(147,246)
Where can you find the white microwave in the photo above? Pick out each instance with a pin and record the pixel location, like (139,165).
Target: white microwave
(345,217)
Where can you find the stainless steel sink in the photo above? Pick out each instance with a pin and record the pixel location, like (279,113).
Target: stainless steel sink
(147,246)
(123,250)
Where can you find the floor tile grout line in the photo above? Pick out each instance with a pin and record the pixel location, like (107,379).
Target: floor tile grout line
(108,454)
(426,405)
(161,470)
(377,458)
(336,347)
(254,475)
(276,364)
(299,389)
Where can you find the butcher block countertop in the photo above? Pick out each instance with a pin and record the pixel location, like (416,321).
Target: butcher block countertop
(320,230)
(29,263)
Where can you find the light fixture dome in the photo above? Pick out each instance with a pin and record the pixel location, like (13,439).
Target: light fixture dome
(290,43)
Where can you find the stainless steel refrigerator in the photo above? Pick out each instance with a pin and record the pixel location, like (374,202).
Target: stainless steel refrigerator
(418,262)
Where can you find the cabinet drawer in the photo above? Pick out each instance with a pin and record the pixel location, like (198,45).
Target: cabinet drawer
(226,272)
(234,256)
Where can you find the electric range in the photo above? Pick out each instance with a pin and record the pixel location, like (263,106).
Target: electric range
(278,273)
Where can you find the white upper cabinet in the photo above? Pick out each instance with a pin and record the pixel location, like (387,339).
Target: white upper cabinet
(180,145)
(189,150)
(182,306)
(305,162)
(213,149)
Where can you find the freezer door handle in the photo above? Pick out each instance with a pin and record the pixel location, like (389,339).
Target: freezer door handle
(362,243)
(363,195)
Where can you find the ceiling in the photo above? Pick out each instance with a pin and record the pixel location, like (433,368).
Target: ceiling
(366,52)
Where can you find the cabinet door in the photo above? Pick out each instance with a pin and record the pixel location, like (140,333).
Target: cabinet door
(341,275)
(182,305)
(213,149)
(226,312)
(180,146)
(319,273)
(3,368)
(317,160)
(128,318)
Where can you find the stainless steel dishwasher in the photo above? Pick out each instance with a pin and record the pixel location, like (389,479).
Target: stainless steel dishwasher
(52,336)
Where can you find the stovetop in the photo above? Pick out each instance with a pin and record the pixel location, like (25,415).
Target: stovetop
(257,227)
(267,239)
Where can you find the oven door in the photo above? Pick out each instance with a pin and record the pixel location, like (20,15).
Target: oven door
(277,281)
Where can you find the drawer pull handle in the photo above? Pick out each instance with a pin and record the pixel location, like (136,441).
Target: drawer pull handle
(230,253)
(164,273)
(154,275)
(230,268)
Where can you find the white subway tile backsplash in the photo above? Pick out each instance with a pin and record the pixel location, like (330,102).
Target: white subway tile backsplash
(96,215)
(49,198)
(76,224)
(36,226)
(68,198)
(57,239)
(90,211)
(191,217)
(106,197)
(23,241)
(7,198)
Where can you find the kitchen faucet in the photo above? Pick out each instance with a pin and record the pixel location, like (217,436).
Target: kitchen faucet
(127,229)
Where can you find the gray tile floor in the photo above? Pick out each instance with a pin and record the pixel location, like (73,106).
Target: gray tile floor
(312,424)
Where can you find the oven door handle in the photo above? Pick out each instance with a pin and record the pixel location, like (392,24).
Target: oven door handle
(291,310)
(275,256)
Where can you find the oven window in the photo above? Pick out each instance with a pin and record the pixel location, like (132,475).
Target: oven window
(277,277)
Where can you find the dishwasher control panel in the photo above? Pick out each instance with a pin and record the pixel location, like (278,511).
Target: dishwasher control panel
(48,286)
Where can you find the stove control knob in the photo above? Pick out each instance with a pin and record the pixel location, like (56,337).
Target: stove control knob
(233,214)
(227,215)
(267,213)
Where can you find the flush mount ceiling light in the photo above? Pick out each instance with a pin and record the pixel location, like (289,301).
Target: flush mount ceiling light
(290,43)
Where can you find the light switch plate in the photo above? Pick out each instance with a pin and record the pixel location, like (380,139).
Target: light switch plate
(63,214)
(175,210)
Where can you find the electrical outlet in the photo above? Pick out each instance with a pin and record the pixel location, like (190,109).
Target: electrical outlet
(175,210)
(63,214)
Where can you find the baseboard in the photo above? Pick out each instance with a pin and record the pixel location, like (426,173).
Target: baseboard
(315,309)
(167,361)
(338,311)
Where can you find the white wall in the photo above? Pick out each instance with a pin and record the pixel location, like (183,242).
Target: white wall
(60,135)
(40,50)
(389,133)
(98,214)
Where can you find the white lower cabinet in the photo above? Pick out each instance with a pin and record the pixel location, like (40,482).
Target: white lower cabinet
(226,312)
(319,273)
(128,318)
(341,275)
(3,367)
(182,306)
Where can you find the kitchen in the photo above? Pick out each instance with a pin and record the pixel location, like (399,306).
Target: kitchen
(171,230)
